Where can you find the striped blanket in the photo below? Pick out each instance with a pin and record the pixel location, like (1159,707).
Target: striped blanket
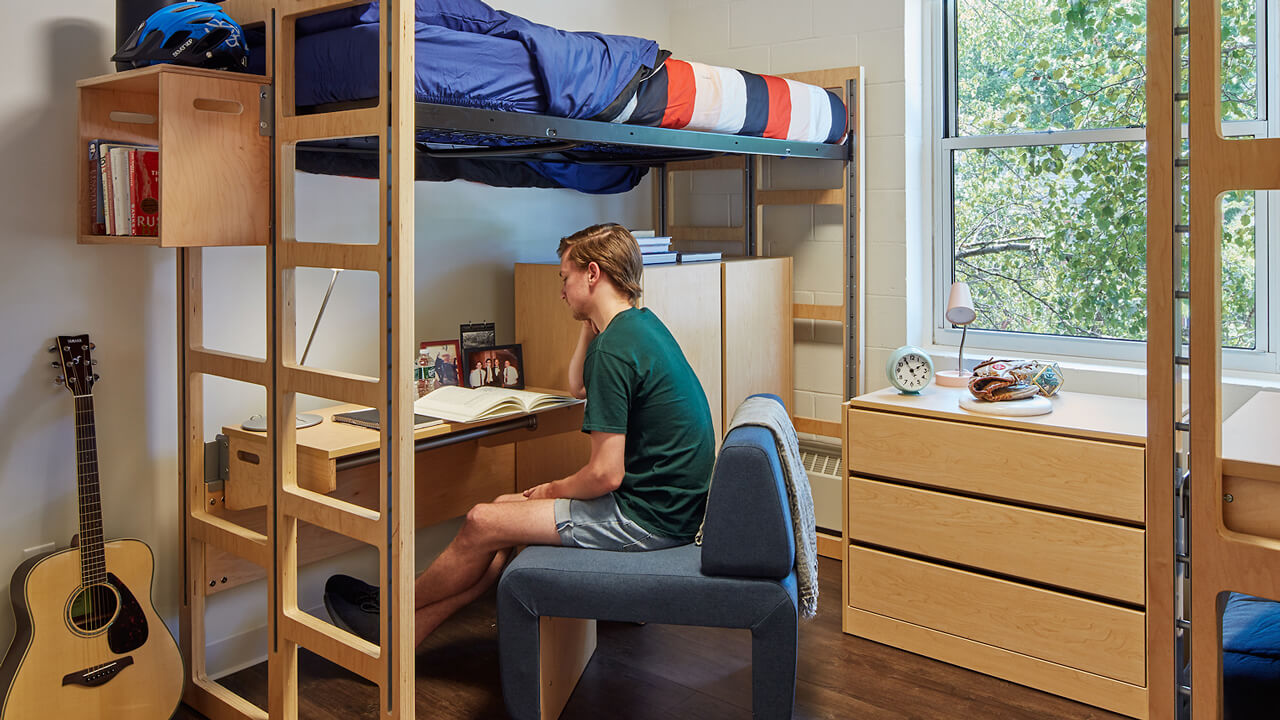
(693,96)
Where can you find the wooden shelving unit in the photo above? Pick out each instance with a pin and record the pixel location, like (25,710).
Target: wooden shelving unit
(215,178)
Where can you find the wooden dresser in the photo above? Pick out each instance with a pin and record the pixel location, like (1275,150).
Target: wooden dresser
(1011,546)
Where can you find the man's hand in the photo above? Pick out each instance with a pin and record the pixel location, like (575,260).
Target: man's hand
(540,492)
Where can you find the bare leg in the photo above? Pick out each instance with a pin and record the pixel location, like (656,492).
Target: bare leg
(427,618)
(489,527)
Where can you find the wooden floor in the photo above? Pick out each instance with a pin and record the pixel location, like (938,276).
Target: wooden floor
(668,672)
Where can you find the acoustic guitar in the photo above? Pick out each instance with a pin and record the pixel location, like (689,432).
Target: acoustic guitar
(88,645)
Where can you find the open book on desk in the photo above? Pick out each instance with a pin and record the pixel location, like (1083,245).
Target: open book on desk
(459,404)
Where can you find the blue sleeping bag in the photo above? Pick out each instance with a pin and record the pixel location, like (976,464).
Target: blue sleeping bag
(473,55)
(1250,658)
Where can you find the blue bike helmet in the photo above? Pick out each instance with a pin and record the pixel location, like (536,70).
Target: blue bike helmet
(198,34)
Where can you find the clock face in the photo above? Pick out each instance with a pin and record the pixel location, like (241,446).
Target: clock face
(912,372)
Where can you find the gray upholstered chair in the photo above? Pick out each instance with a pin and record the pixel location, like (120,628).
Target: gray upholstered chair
(742,576)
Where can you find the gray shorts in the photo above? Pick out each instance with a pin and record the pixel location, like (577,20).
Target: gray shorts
(599,525)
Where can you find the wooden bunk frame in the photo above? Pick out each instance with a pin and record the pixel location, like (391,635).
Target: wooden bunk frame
(393,120)
(1185,486)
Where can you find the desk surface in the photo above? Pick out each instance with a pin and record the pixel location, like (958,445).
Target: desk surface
(337,439)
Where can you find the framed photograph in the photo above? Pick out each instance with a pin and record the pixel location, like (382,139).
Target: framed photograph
(497,366)
(437,365)
(477,335)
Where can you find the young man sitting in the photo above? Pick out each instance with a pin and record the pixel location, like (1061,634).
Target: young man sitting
(652,449)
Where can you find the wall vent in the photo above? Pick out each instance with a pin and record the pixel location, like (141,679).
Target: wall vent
(822,464)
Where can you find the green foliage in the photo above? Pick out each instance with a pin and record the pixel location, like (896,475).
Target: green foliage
(1052,238)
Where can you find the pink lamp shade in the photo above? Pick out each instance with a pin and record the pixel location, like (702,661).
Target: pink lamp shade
(959,312)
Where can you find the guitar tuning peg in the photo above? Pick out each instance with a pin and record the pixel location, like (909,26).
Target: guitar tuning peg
(59,380)
(92,346)
(53,348)
(93,362)
(96,377)
(56,364)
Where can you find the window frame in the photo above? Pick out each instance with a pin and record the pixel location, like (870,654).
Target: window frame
(941,58)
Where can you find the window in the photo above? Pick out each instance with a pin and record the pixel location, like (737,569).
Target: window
(1042,173)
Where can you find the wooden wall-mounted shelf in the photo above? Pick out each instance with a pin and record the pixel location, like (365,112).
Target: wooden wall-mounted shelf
(215,163)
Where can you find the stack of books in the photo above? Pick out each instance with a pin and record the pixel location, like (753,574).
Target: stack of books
(654,249)
(124,188)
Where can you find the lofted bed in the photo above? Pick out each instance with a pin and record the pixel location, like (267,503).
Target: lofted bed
(398,138)
(1213,634)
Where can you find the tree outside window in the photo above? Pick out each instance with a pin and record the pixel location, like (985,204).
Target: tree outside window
(1045,165)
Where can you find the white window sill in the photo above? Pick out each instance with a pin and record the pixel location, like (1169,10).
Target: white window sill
(1113,377)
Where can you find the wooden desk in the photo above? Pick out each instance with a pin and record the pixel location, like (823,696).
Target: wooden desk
(450,478)
(457,465)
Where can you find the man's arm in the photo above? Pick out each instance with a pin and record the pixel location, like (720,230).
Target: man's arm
(601,475)
(576,387)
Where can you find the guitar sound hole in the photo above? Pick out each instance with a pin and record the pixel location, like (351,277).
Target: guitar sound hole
(93,608)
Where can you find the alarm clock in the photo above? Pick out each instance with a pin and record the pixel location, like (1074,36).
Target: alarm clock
(910,369)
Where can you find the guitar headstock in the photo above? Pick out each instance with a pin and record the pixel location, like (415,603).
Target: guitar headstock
(76,363)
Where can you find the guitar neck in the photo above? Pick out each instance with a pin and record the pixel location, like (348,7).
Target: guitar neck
(93,565)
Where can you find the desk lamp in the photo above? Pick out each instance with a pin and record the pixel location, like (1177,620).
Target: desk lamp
(959,312)
(258,423)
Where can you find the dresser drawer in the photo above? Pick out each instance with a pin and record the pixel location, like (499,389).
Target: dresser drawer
(1092,556)
(1085,476)
(1087,635)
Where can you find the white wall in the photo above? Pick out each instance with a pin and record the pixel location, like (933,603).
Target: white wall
(124,297)
(883,37)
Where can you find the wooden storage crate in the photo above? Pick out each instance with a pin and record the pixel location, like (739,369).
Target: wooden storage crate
(215,180)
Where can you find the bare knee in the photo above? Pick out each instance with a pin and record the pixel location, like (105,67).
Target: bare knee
(478,526)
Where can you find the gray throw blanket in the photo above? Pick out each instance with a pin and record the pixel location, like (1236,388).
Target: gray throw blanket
(770,414)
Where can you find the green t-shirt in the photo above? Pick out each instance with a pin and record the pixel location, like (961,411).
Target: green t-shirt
(639,384)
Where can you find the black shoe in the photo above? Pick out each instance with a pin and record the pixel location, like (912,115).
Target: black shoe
(353,606)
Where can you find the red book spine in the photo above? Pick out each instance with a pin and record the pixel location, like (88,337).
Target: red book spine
(144,192)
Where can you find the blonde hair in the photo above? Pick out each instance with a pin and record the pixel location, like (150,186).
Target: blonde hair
(611,247)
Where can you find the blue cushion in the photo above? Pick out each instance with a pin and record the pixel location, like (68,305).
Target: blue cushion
(1250,657)
(747,531)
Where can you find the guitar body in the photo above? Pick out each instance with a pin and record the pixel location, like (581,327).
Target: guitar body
(98,653)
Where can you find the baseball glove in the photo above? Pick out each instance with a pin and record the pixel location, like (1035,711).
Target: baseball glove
(997,380)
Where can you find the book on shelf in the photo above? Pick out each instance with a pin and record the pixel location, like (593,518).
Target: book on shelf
(687,257)
(97,218)
(369,419)
(118,163)
(655,244)
(144,192)
(658,258)
(114,169)
(460,404)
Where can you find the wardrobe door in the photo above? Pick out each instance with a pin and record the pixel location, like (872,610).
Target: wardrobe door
(758,336)
(547,334)
(687,300)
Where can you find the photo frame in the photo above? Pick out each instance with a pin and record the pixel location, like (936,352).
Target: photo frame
(477,335)
(437,365)
(495,366)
